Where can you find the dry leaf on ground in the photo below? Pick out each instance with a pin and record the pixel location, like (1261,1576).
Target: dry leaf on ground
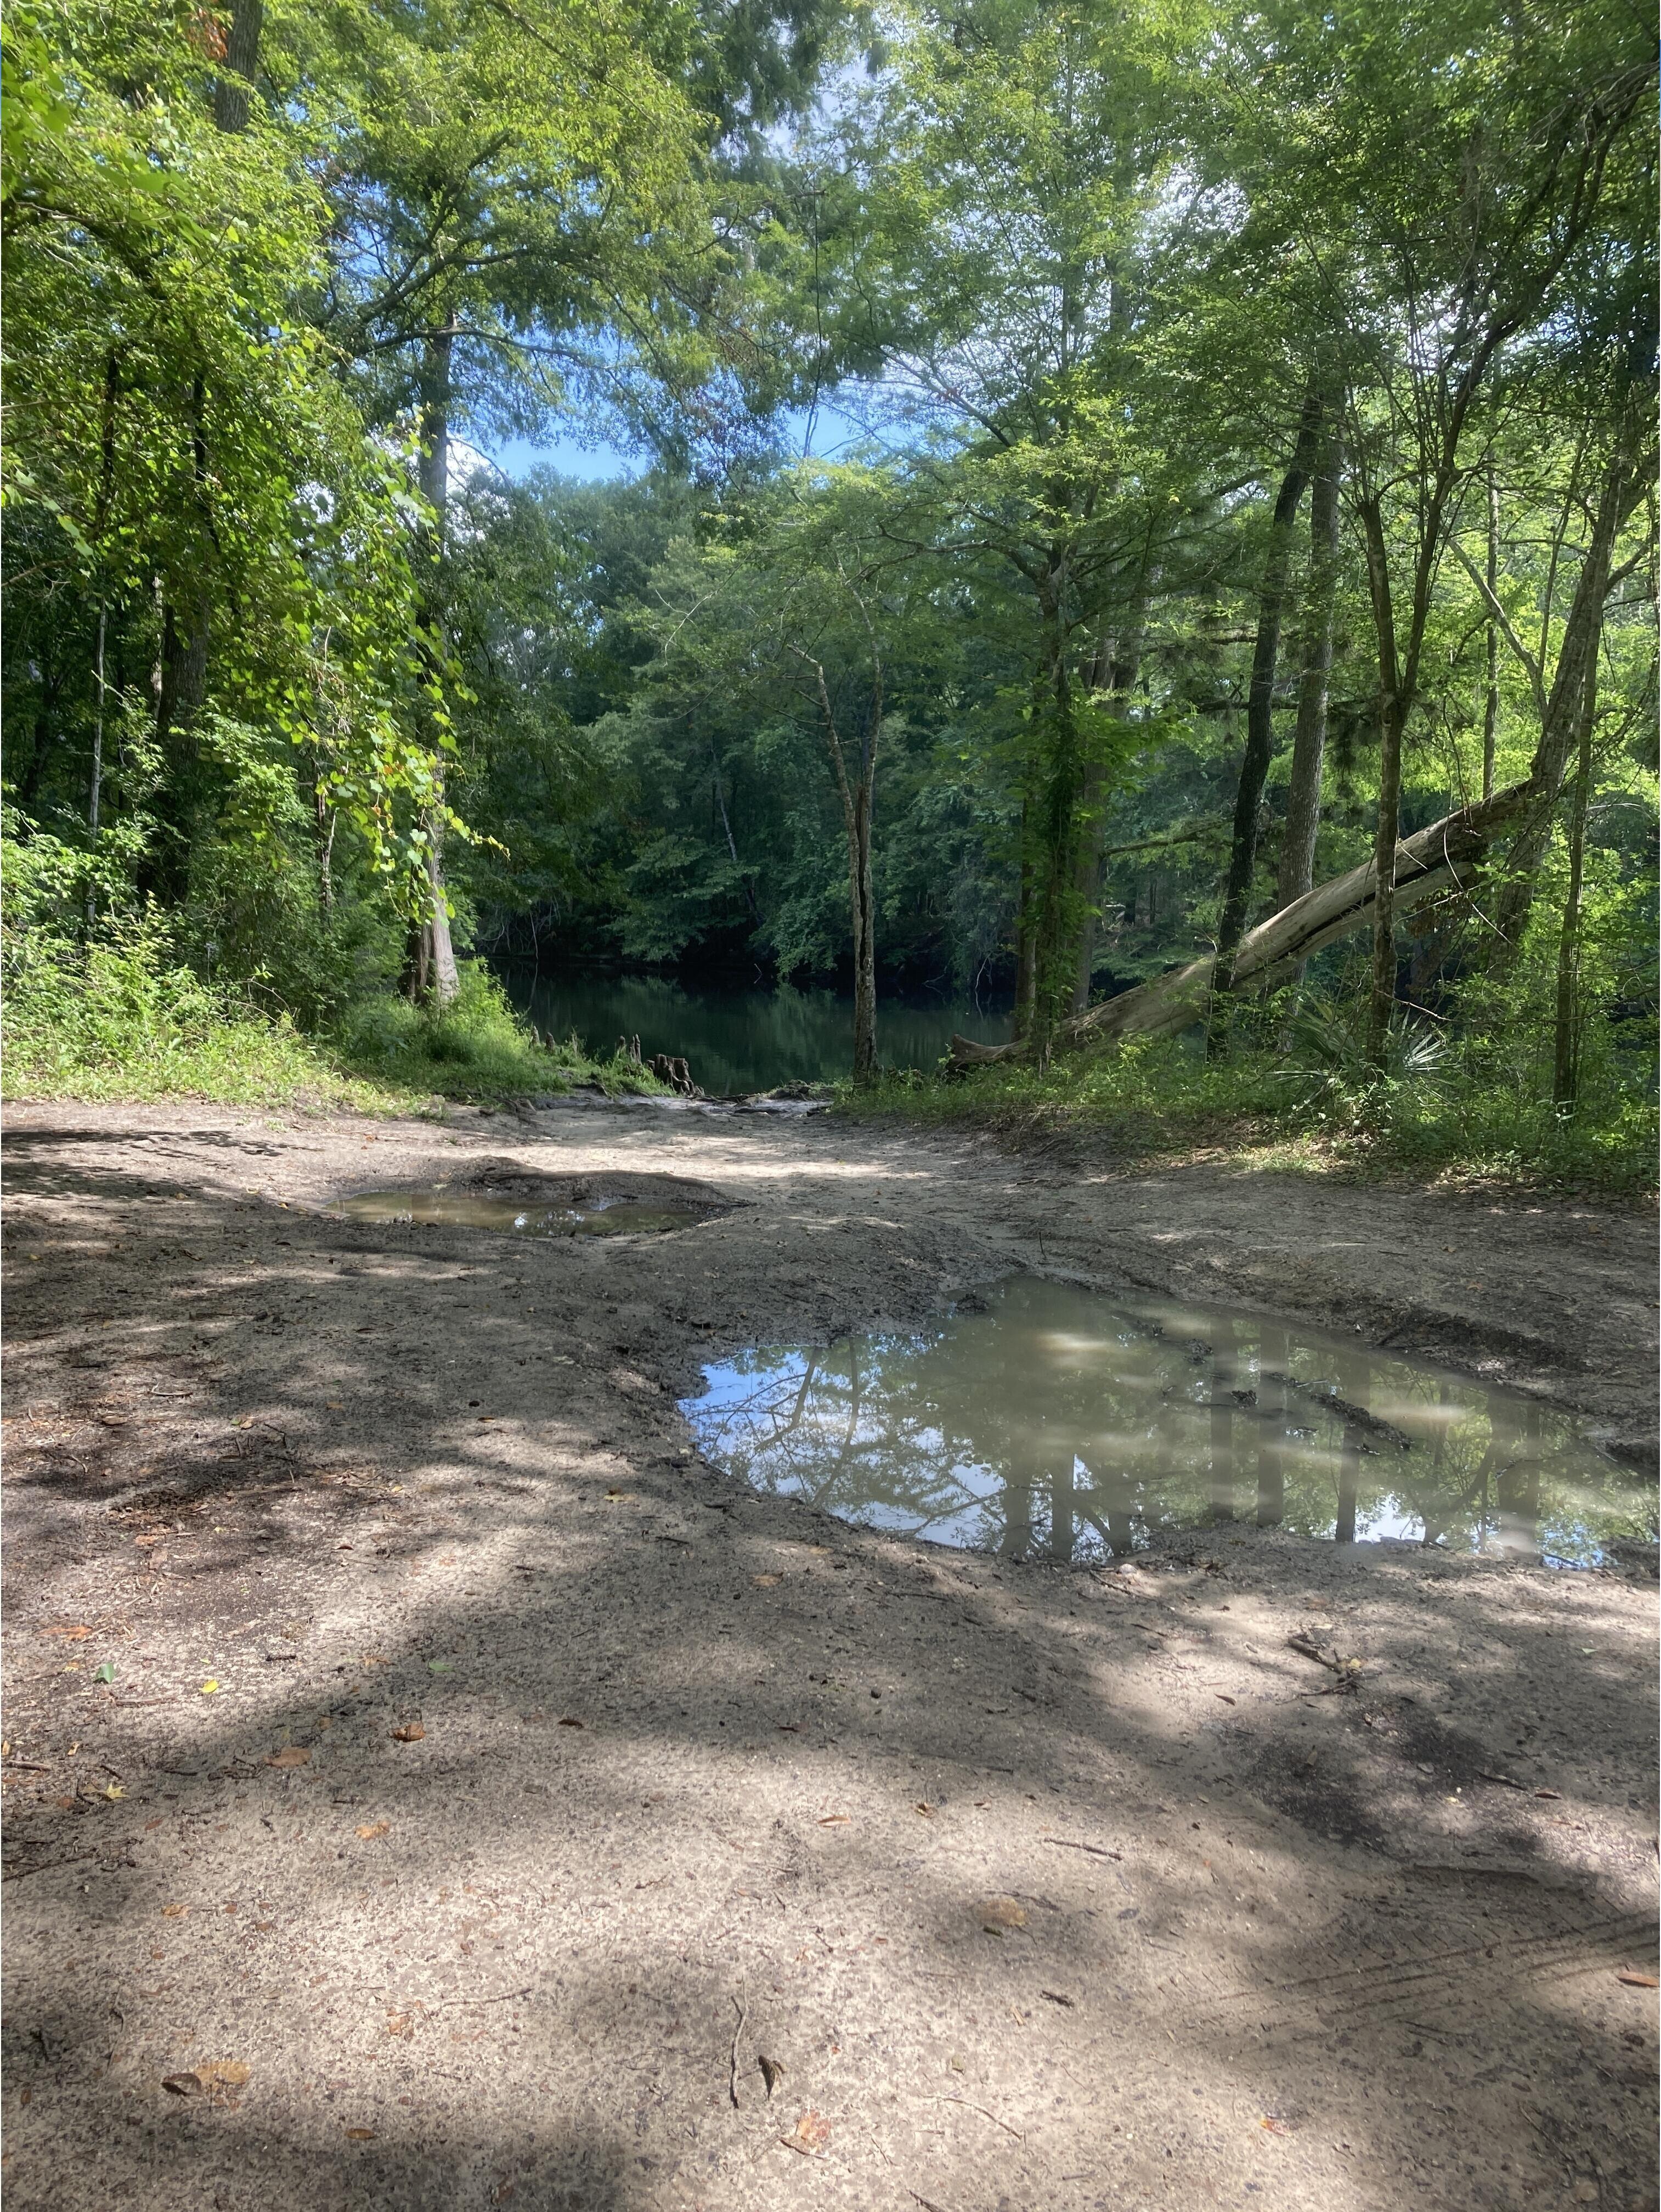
(810,2134)
(773,2071)
(291,1754)
(1637,1981)
(766,1581)
(360,2135)
(218,2078)
(372,1829)
(412,1732)
(998,1913)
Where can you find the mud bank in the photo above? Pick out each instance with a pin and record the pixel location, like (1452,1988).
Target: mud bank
(480,1787)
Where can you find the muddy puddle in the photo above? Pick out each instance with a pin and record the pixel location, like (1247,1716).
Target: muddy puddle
(1057,1422)
(442,1206)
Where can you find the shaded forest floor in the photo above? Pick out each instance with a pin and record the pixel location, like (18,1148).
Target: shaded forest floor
(479,1788)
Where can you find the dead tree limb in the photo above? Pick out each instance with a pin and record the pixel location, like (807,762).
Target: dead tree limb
(1432,862)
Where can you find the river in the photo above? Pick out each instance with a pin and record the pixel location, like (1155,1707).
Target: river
(737,1041)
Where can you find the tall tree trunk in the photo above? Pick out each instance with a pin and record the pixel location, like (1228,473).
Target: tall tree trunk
(1052,925)
(184,645)
(856,791)
(52,685)
(1303,796)
(1565,1056)
(1392,713)
(744,883)
(1626,479)
(231,92)
(324,820)
(95,790)
(1025,936)
(1092,835)
(1260,716)
(864,906)
(1491,692)
(445,980)
(435,396)
(100,522)
(1118,667)
(431,965)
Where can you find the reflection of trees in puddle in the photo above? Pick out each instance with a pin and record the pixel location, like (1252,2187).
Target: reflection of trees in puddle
(1055,1423)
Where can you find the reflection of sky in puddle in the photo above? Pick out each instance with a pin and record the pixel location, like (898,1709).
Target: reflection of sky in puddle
(438,1205)
(1057,1422)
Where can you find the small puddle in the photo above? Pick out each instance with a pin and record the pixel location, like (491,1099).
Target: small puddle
(1056,1421)
(441,1205)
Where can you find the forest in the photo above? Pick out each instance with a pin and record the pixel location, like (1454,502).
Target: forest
(828,985)
(1143,511)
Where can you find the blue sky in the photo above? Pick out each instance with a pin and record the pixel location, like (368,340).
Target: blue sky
(592,461)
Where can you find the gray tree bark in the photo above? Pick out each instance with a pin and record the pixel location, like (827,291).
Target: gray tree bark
(1260,715)
(856,791)
(1565,1054)
(1303,797)
(433,959)
(1491,690)
(233,91)
(1117,665)
(1393,705)
(1626,479)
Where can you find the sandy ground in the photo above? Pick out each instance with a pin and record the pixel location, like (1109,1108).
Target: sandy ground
(484,1788)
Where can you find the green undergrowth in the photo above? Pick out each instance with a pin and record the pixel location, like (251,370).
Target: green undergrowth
(478,1049)
(1439,1116)
(123,1018)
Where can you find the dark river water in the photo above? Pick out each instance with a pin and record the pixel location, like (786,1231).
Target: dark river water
(742,1041)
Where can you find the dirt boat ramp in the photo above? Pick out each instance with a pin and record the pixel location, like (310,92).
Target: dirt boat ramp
(429,1785)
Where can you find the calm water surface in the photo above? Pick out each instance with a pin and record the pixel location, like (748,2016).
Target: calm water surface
(1056,1421)
(441,1205)
(743,1041)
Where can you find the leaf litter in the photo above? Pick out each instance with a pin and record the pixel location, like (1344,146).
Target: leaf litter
(218,2080)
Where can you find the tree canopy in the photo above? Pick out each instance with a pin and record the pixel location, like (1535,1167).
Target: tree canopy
(1254,465)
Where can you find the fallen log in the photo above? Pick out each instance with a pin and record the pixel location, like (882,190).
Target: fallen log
(1438,858)
(966,1053)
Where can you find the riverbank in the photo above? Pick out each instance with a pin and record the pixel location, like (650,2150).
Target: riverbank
(1164,1105)
(498,1785)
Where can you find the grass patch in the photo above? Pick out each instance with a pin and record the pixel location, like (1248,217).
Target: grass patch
(1309,1107)
(478,1048)
(122,1018)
